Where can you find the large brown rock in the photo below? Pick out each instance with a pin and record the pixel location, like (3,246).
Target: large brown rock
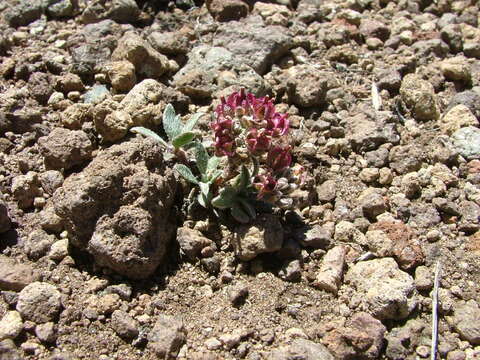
(63,148)
(118,207)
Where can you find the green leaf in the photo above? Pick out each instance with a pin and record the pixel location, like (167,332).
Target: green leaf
(202,200)
(149,133)
(248,208)
(204,188)
(213,163)
(201,157)
(256,167)
(182,139)
(186,173)
(243,179)
(171,122)
(225,199)
(214,176)
(190,124)
(239,215)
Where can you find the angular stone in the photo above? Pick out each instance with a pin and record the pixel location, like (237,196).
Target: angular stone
(301,349)
(15,276)
(362,337)
(11,325)
(467,321)
(307,93)
(147,61)
(252,42)
(226,10)
(331,271)
(264,235)
(419,95)
(191,242)
(121,75)
(210,70)
(457,117)
(167,337)
(124,325)
(467,142)
(385,291)
(405,247)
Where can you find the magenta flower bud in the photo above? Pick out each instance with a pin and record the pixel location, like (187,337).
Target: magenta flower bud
(265,185)
(279,158)
(278,124)
(258,141)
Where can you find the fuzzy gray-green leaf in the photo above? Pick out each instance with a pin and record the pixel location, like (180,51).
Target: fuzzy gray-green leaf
(201,157)
(171,122)
(248,208)
(213,163)
(243,179)
(190,124)
(204,188)
(186,173)
(149,133)
(239,215)
(225,199)
(183,139)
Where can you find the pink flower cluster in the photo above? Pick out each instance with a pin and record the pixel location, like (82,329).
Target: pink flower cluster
(245,123)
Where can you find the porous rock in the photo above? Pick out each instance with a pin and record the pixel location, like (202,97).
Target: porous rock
(118,207)
(63,148)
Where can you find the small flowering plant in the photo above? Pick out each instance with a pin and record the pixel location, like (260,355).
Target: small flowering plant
(254,139)
(251,157)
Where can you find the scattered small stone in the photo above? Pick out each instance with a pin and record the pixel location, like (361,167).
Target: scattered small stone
(238,293)
(167,336)
(419,95)
(466,320)
(39,302)
(331,271)
(11,325)
(124,325)
(264,235)
(15,276)
(46,333)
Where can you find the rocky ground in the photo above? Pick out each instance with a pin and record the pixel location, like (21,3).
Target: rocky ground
(100,261)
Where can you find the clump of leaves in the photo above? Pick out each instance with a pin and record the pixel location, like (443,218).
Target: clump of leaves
(179,135)
(208,168)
